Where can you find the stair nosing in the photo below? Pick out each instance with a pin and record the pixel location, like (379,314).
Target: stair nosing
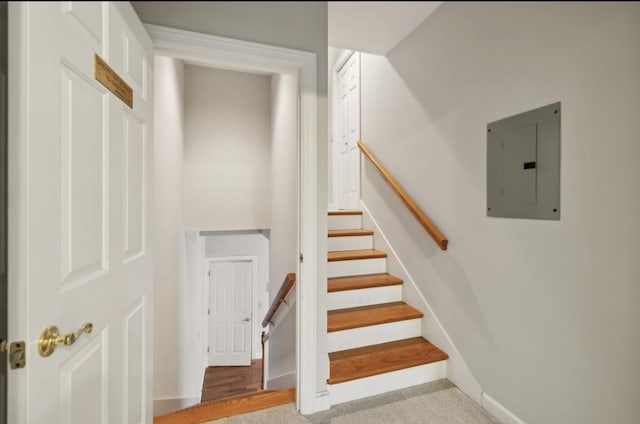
(415,314)
(393,281)
(344,212)
(354,232)
(364,254)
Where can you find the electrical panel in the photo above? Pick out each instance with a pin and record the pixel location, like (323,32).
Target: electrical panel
(523,165)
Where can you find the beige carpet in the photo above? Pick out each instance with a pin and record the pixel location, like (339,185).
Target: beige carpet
(439,402)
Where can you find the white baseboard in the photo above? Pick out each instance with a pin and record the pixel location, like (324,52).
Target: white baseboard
(501,413)
(285,381)
(169,405)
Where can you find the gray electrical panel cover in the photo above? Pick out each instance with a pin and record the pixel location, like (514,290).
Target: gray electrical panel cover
(523,165)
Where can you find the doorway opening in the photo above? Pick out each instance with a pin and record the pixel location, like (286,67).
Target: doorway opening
(235,154)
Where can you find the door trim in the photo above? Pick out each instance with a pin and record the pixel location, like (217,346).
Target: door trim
(312,365)
(254,293)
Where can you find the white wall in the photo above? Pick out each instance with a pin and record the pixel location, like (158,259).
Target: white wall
(177,372)
(544,312)
(284,180)
(284,214)
(246,243)
(227,157)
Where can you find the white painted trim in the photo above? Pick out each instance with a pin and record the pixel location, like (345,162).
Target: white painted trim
(458,371)
(498,410)
(227,53)
(342,60)
(254,295)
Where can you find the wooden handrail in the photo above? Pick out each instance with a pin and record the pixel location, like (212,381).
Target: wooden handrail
(424,220)
(288,282)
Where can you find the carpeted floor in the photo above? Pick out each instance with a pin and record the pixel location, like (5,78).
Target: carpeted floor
(439,402)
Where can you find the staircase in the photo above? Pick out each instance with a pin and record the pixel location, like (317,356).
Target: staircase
(374,338)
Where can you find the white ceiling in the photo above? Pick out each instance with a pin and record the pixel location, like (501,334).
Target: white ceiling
(375,26)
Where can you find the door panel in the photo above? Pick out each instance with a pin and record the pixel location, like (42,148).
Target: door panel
(83,388)
(135,364)
(231,285)
(135,153)
(83,252)
(348,166)
(83,170)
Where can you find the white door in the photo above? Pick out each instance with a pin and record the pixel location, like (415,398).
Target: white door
(230,321)
(348,158)
(79,242)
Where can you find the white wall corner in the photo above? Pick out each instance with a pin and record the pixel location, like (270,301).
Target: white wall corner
(457,370)
(281,382)
(168,405)
(498,411)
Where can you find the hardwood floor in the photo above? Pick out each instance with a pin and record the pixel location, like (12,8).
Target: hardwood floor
(223,382)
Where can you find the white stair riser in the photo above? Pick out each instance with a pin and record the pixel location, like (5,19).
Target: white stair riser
(362,297)
(373,334)
(356,267)
(344,222)
(350,243)
(382,383)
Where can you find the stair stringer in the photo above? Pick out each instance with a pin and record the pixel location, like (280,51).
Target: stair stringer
(457,370)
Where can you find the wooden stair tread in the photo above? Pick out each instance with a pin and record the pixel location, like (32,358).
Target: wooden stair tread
(350,233)
(209,411)
(361,282)
(377,359)
(363,316)
(349,255)
(344,212)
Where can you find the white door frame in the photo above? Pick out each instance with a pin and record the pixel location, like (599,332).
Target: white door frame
(207,50)
(254,295)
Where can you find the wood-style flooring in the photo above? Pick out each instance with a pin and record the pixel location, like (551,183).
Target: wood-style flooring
(224,382)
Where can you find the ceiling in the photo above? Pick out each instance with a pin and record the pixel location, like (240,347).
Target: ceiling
(375,26)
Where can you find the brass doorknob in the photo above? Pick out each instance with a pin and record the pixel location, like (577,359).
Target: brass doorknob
(51,338)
